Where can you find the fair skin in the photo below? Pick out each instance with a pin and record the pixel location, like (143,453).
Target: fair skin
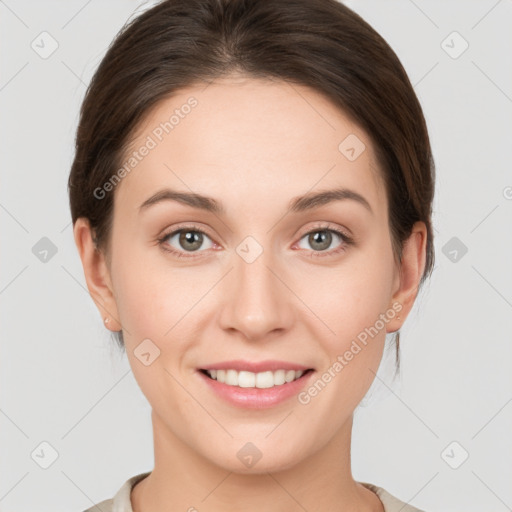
(253,146)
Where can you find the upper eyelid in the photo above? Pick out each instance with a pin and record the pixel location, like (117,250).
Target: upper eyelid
(186,227)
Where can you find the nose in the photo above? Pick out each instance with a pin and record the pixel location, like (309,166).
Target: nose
(257,301)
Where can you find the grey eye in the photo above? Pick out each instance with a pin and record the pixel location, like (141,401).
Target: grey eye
(319,240)
(189,240)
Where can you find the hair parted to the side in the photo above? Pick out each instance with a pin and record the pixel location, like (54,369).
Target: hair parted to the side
(321,44)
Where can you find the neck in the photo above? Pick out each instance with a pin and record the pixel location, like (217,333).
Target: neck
(183,480)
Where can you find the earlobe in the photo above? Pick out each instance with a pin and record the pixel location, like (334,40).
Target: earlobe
(410,272)
(97,274)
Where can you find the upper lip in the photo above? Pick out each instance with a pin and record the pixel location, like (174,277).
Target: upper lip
(255,366)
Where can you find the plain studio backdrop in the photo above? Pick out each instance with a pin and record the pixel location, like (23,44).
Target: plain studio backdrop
(74,423)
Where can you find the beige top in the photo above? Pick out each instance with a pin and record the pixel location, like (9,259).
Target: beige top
(121,501)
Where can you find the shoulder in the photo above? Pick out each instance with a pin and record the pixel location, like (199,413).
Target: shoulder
(391,503)
(121,501)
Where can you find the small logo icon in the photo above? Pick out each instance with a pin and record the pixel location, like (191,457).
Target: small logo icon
(454,455)
(249,454)
(146,352)
(44,455)
(44,45)
(454,45)
(351,147)
(454,249)
(44,250)
(249,249)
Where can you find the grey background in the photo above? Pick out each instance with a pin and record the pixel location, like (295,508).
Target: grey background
(62,380)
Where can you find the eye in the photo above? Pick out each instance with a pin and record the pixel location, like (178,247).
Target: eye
(188,239)
(322,238)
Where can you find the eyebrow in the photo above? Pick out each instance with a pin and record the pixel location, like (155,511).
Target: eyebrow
(296,205)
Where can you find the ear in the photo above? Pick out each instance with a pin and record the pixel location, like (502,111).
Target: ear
(97,274)
(408,275)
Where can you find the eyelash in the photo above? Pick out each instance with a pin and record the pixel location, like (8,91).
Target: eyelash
(346,241)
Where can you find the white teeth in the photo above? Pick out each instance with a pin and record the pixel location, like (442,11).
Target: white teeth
(245,379)
(231,377)
(260,380)
(265,380)
(279,377)
(289,376)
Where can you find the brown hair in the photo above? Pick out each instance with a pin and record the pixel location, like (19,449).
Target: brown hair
(317,43)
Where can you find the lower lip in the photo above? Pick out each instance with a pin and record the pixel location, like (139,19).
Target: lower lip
(256,398)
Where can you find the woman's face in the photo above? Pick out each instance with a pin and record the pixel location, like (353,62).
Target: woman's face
(258,279)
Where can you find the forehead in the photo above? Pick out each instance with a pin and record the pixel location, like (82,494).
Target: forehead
(242,136)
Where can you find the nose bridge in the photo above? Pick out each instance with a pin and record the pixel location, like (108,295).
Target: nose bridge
(258,303)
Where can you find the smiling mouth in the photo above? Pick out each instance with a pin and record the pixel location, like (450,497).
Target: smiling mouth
(262,380)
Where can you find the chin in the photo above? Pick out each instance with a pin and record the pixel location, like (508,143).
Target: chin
(248,459)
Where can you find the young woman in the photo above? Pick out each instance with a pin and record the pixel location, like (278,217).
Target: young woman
(251,197)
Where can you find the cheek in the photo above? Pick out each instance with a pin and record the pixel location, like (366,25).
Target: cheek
(142,295)
(352,304)
(159,301)
(350,297)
